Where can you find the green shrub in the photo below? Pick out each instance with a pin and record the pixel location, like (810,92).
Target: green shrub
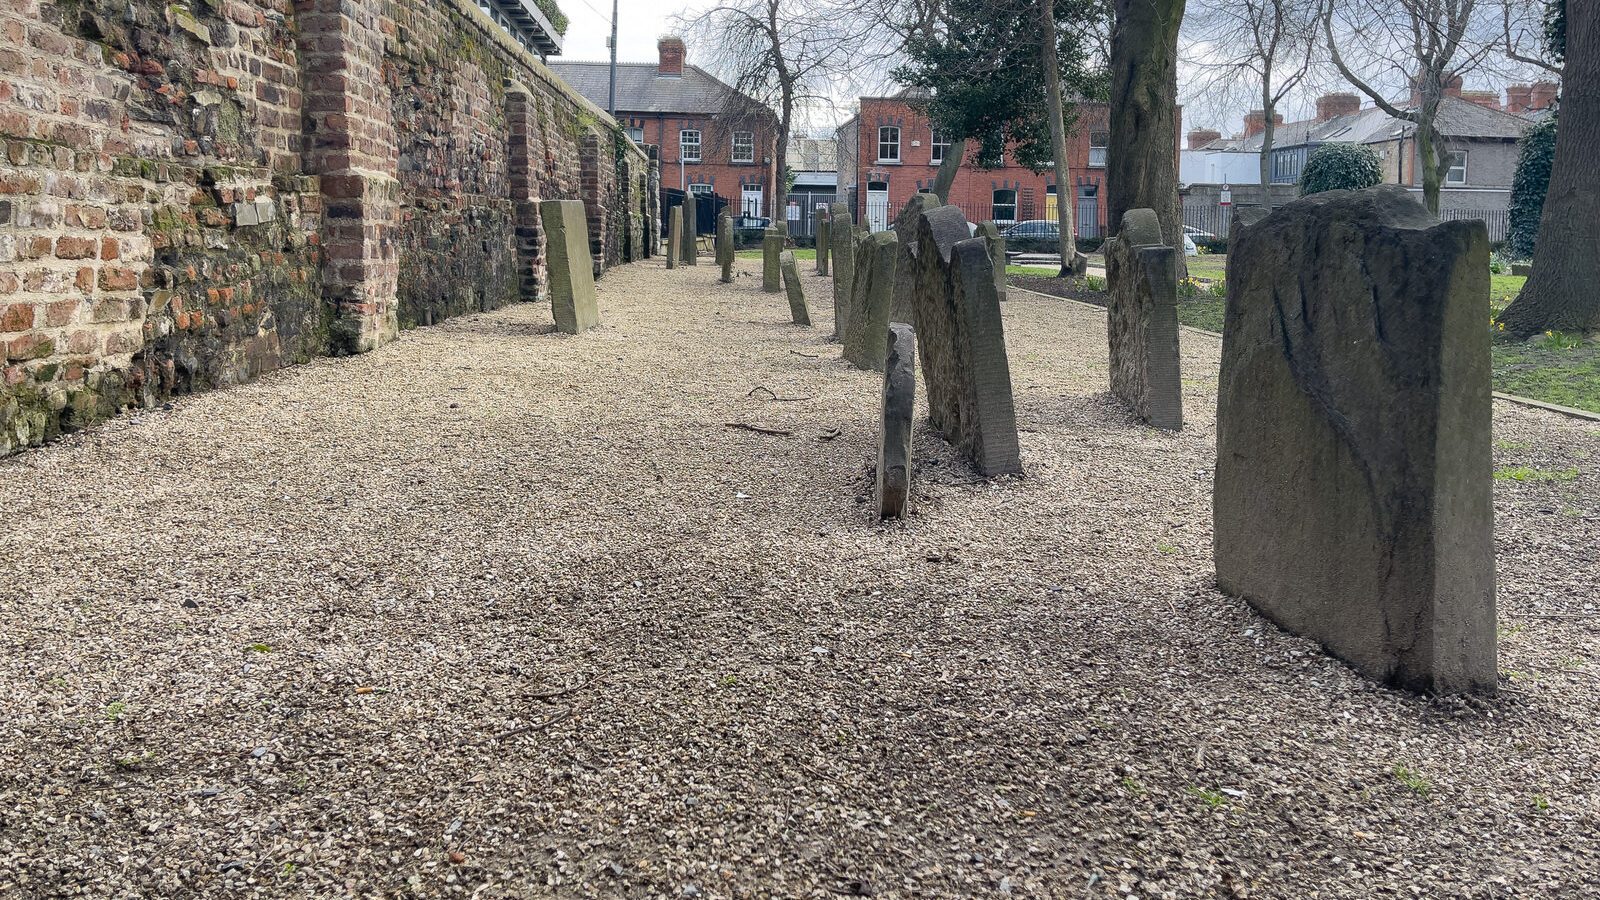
(558,19)
(1340,167)
(1535,153)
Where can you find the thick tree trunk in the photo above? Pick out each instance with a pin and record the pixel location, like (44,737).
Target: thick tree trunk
(954,155)
(1058,137)
(1561,293)
(1142,168)
(1428,160)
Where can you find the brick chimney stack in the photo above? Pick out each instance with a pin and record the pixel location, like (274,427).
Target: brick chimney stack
(1331,106)
(1543,95)
(1519,98)
(1452,88)
(1255,122)
(672,51)
(1202,136)
(1485,99)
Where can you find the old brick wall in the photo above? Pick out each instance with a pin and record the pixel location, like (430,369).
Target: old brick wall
(194,193)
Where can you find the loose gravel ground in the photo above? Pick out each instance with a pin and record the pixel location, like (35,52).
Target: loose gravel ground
(498,612)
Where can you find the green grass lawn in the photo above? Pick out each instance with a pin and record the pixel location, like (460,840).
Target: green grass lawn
(1207,266)
(800,253)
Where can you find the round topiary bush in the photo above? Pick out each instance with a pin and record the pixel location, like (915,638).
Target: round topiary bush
(1340,167)
(1536,151)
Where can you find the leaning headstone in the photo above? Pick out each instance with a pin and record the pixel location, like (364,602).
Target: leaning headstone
(1352,498)
(571,268)
(823,232)
(771,249)
(689,253)
(797,292)
(996,242)
(905,229)
(674,236)
(870,297)
(896,410)
(962,343)
(841,254)
(725,254)
(1142,321)
(1523,269)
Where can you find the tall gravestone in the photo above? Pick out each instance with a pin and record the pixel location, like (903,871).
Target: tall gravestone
(870,297)
(842,257)
(688,252)
(771,250)
(898,405)
(905,230)
(962,344)
(996,242)
(1353,487)
(1142,321)
(725,252)
(798,313)
(571,268)
(674,236)
(824,232)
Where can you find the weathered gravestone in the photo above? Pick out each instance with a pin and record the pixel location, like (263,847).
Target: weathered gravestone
(905,230)
(771,249)
(571,268)
(674,236)
(1142,321)
(962,343)
(1523,269)
(797,292)
(1352,496)
(894,432)
(842,257)
(689,252)
(725,253)
(870,297)
(824,230)
(996,242)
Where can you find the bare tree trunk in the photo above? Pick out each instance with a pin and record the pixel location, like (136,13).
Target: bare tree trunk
(1058,137)
(1268,133)
(1142,169)
(954,155)
(1430,162)
(1561,294)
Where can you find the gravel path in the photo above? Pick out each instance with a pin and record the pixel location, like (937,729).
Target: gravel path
(497,612)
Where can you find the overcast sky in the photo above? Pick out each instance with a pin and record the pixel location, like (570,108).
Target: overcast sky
(643,21)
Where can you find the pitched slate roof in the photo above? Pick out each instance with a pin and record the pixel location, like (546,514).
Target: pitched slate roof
(641,89)
(1457,119)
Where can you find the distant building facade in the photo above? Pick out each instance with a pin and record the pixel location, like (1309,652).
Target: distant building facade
(712,140)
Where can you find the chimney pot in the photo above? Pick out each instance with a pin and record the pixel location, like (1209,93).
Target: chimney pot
(671,50)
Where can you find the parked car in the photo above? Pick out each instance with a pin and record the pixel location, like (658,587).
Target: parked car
(1199,235)
(1033,236)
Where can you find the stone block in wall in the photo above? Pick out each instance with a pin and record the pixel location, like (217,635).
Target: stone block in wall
(1142,321)
(1352,498)
(961,343)
(873,291)
(572,294)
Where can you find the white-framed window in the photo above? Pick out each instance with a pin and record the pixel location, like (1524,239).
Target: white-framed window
(888,143)
(941,146)
(1098,142)
(1457,173)
(700,189)
(689,144)
(1004,207)
(636,134)
(744,146)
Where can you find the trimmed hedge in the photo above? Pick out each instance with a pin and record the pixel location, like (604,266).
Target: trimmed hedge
(1340,167)
(1535,154)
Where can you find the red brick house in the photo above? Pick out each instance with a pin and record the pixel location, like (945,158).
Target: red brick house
(686,113)
(889,151)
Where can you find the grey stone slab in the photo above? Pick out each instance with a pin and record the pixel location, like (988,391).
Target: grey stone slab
(871,296)
(899,404)
(996,242)
(689,252)
(725,251)
(571,268)
(961,342)
(797,292)
(1142,321)
(674,236)
(842,258)
(905,230)
(1352,498)
(824,235)
(771,250)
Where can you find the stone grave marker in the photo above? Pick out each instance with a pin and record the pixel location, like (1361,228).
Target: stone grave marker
(905,230)
(674,236)
(797,292)
(824,231)
(571,268)
(996,242)
(1352,500)
(1142,321)
(896,411)
(870,297)
(725,252)
(771,249)
(841,254)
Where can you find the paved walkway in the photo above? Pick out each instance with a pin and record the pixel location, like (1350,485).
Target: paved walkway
(502,613)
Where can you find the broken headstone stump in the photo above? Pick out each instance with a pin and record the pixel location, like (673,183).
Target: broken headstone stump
(870,298)
(674,236)
(905,230)
(1142,321)
(725,253)
(571,268)
(771,250)
(841,256)
(688,252)
(996,242)
(894,432)
(824,230)
(1352,499)
(962,343)
(797,292)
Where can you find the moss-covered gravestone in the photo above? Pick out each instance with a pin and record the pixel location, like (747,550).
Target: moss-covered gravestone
(905,278)
(688,252)
(725,253)
(674,235)
(870,298)
(841,256)
(824,232)
(898,405)
(571,272)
